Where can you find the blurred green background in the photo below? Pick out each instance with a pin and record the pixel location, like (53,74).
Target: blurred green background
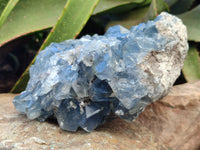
(28,26)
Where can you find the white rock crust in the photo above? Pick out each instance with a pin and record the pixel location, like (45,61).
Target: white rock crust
(162,68)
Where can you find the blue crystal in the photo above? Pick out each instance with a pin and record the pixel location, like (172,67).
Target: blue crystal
(81,82)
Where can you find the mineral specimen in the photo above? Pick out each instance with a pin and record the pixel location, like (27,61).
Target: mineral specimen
(81,82)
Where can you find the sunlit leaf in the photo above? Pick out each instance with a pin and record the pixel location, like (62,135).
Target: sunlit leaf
(30,16)
(9,7)
(72,20)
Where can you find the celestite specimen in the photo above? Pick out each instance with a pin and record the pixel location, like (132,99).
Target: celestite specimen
(81,82)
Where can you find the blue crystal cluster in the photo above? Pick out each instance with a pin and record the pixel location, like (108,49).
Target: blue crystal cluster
(81,82)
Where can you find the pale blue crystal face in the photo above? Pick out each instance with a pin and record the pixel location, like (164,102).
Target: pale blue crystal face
(81,82)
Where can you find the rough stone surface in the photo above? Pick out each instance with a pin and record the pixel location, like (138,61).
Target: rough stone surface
(81,82)
(176,118)
(18,132)
(173,121)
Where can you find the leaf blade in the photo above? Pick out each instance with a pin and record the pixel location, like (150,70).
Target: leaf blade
(191,68)
(70,16)
(130,19)
(105,6)
(29,16)
(192,20)
(181,6)
(80,16)
(9,7)
(156,7)
(3,4)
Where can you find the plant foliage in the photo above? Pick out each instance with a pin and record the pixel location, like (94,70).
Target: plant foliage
(67,19)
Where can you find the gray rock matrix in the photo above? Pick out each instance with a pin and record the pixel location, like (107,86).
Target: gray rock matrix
(81,82)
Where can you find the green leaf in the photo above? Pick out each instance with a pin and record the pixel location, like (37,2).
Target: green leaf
(191,68)
(117,6)
(171,2)
(72,20)
(9,7)
(192,21)
(3,4)
(130,19)
(29,16)
(181,6)
(156,7)
(33,15)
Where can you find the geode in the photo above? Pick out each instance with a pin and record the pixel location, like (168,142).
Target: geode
(82,82)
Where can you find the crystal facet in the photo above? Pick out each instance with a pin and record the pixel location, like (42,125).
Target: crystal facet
(81,82)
